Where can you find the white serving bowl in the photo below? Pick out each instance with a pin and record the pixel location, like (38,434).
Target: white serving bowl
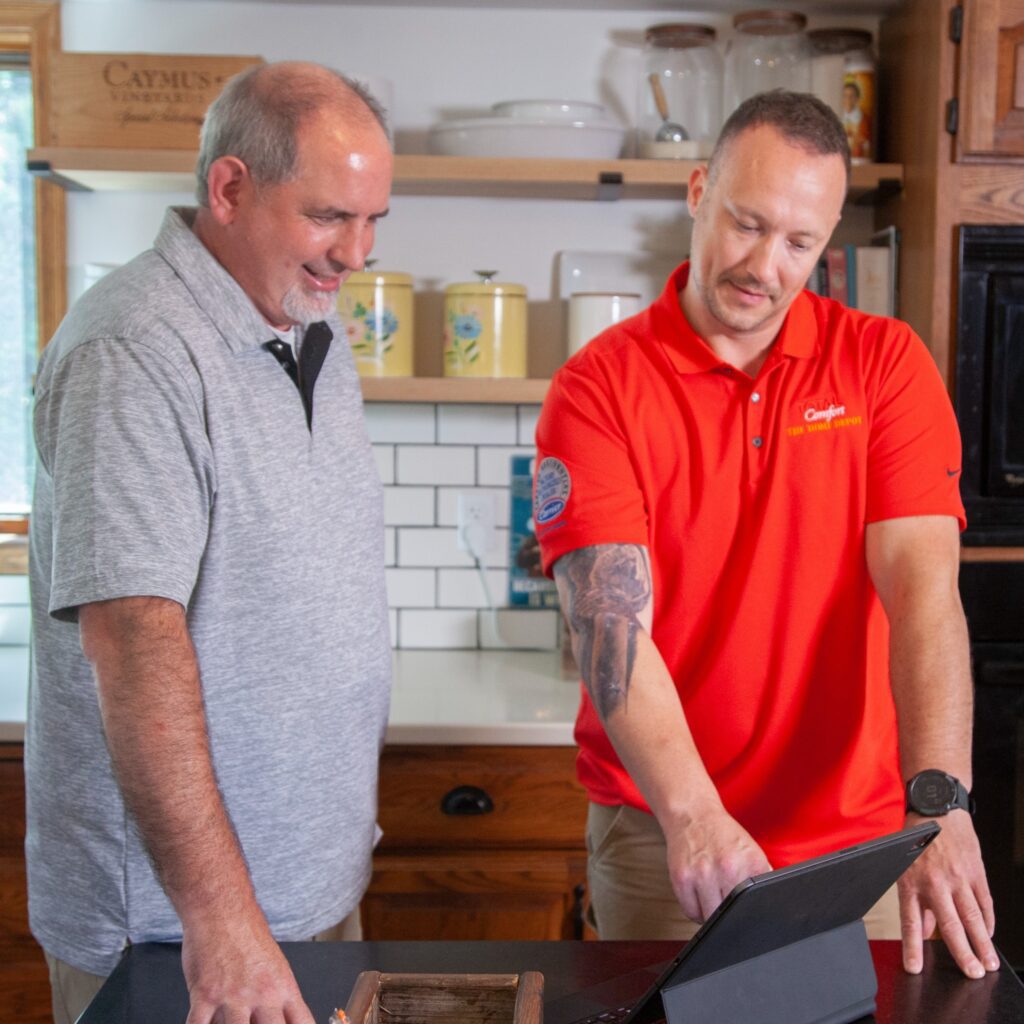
(551,110)
(525,137)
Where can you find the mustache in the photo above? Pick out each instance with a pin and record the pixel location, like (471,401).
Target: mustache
(749,283)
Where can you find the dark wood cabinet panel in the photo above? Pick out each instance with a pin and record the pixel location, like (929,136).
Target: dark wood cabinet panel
(24,983)
(512,865)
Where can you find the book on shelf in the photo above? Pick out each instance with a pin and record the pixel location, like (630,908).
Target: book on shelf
(863,277)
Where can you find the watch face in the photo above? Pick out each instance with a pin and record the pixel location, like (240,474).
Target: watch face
(932,793)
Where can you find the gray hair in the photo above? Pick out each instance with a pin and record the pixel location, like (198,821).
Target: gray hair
(799,117)
(258,114)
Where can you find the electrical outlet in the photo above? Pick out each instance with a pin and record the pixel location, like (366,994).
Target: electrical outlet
(475,515)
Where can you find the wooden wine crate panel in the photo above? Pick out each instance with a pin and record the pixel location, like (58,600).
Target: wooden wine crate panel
(135,100)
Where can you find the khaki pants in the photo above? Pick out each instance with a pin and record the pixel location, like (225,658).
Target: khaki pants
(631,896)
(73,990)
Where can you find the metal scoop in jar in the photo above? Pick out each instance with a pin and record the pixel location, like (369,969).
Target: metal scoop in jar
(669,130)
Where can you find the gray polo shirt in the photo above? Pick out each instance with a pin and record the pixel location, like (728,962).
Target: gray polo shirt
(175,460)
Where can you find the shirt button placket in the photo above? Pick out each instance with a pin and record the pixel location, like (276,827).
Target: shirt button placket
(755,420)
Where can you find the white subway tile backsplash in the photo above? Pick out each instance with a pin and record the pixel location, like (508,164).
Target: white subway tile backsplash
(401,422)
(493,467)
(435,465)
(528,416)
(522,629)
(430,547)
(411,588)
(448,504)
(393,626)
(438,628)
(478,424)
(389,545)
(463,588)
(409,506)
(385,456)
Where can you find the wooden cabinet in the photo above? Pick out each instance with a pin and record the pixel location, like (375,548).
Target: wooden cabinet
(479,843)
(24,982)
(990,86)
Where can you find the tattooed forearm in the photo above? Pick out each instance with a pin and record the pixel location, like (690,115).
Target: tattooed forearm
(604,589)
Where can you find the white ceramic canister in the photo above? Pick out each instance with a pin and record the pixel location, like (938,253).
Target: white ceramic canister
(591,312)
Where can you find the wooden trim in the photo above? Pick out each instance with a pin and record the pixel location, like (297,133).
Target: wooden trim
(992,554)
(35,27)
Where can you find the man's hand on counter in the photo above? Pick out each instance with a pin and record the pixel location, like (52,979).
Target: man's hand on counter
(236,973)
(708,855)
(946,887)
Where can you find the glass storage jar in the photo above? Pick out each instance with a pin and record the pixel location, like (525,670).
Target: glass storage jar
(679,99)
(768,50)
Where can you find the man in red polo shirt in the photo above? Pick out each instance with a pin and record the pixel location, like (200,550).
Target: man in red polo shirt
(748,496)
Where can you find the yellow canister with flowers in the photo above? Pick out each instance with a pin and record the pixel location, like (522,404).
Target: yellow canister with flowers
(485,328)
(375,308)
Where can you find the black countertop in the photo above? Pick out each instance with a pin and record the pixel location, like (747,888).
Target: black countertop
(147,987)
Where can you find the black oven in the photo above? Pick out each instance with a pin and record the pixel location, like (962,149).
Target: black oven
(990,381)
(993,595)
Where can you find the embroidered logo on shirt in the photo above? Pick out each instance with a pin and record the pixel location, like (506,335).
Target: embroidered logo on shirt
(819,415)
(551,491)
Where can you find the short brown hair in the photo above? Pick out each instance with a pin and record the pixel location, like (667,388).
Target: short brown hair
(799,117)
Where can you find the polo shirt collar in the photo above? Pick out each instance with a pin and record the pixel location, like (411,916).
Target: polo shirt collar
(690,353)
(214,290)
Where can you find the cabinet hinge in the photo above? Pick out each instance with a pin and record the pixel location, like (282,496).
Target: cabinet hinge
(952,116)
(956,23)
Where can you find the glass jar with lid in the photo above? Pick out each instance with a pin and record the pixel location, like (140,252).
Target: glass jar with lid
(769,50)
(680,92)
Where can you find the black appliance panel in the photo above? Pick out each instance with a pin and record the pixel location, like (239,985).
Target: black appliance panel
(990,381)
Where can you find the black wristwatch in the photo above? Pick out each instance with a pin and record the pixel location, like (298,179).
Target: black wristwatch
(933,793)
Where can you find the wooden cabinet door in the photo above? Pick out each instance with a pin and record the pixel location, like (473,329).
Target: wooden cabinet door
(475,895)
(991,80)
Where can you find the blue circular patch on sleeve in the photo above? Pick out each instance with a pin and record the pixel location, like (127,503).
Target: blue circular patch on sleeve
(551,491)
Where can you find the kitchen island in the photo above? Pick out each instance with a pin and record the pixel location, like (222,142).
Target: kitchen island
(148,988)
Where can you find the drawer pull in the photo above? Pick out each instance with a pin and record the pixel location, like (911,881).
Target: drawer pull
(467,800)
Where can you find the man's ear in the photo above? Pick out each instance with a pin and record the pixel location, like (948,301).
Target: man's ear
(226,181)
(696,188)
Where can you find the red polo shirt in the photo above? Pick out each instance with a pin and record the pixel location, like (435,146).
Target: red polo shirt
(752,496)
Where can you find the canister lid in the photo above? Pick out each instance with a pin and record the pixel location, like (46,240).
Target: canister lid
(485,286)
(769,23)
(679,36)
(839,40)
(391,278)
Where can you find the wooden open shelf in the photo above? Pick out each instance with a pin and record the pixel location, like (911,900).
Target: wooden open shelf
(491,390)
(104,170)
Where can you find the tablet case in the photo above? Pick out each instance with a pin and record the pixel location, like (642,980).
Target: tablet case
(789,946)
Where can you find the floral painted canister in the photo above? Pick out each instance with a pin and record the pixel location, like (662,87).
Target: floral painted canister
(375,308)
(485,328)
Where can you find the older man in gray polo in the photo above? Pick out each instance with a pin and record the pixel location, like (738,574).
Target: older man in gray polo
(211,663)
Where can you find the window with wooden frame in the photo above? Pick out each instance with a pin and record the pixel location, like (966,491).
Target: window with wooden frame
(32,258)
